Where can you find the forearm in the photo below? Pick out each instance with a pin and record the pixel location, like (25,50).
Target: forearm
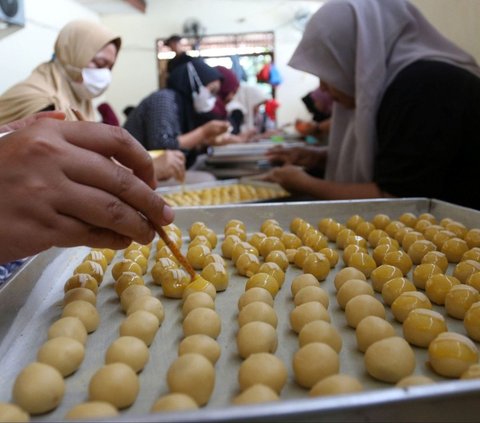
(191,139)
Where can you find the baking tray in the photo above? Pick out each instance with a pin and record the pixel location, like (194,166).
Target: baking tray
(31,302)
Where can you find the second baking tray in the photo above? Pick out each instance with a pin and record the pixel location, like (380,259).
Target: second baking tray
(31,301)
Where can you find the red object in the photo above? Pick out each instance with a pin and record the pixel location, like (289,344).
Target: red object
(271,107)
(264,74)
(108,115)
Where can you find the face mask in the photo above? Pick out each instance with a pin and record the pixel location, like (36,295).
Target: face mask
(95,82)
(203,100)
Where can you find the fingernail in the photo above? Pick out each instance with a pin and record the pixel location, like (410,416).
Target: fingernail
(168,213)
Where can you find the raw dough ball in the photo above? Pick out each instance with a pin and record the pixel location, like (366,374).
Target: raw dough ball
(131,293)
(335,385)
(362,306)
(256,337)
(86,312)
(407,302)
(437,287)
(91,410)
(65,354)
(257,311)
(202,320)
(473,372)
(320,331)
(390,359)
(423,272)
(262,368)
(141,324)
(422,326)
(12,413)
(216,274)
(71,327)
(451,354)
(192,374)
(263,280)
(382,274)
(201,344)
(414,380)
(393,288)
(127,279)
(148,303)
(83,294)
(351,289)
(174,402)
(302,281)
(81,280)
(313,362)
(346,274)
(116,384)
(471,321)
(38,388)
(256,394)
(459,299)
(307,312)
(255,294)
(311,293)
(129,350)
(372,329)
(197,300)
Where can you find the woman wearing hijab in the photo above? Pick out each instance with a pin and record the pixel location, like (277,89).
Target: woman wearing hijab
(405,120)
(80,70)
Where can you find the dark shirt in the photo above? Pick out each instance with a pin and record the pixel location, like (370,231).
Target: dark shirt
(428,128)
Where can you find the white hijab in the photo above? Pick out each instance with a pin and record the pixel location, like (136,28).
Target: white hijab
(358,47)
(246,99)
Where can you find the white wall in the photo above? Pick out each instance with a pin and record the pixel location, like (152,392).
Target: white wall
(24,49)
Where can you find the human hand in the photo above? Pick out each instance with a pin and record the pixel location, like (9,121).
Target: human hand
(171,164)
(212,129)
(290,178)
(22,123)
(305,156)
(59,187)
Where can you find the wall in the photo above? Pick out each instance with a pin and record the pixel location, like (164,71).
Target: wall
(24,49)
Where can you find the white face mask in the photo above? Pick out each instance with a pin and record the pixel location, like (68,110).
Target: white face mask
(95,82)
(203,100)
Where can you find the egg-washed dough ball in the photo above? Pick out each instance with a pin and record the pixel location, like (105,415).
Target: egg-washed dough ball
(317,265)
(199,284)
(257,311)
(335,385)
(471,321)
(228,244)
(320,331)
(375,236)
(115,383)
(302,281)
(196,255)
(422,326)
(12,413)
(256,394)
(91,268)
(393,227)
(353,221)
(291,241)
(83,294)
(135,246)
(381,250)
(263,280)
(322,224)
(71,327)
(465,269)
(214,258)
(217,275)
(438,286)
(301,254)
(279,258)
(408,301)
(256,239)
(160,267)
(242,247)
(271,243)
(474,280)
(307,312)
(311,293)
(255,294)
(346,274)
(274,270)
(399,259)
(81,280)
(454,248)
(194,375)
(38,388)
(473,372)
(148,303)
(65,354)
(363,262)
(459,299)
(411,238)
(438,258)
(139,258)
(202,320)
(91,410)
(125,280)
(174,402)
(125,265)
(414,380)
(352,288)
(202,240)
(129,350)
(315,240)
(141,324)
(362,306)
(85,311)
(313,362)
(372,329)
(343,236)
(419,248)
(451,354)
(200,344)
(273,230)
(196,300)
(472,238)
(265,369)
(235,223)
(107,252)
(130,294)
(395,287)
(165,252)
(256,337)
(364,229)
(390,359)
(247,264)
(331,254)
(383,274)
(423,272)
(210,235)
(381,220)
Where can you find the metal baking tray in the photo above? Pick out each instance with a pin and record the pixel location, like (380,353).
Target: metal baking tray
(31,301)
